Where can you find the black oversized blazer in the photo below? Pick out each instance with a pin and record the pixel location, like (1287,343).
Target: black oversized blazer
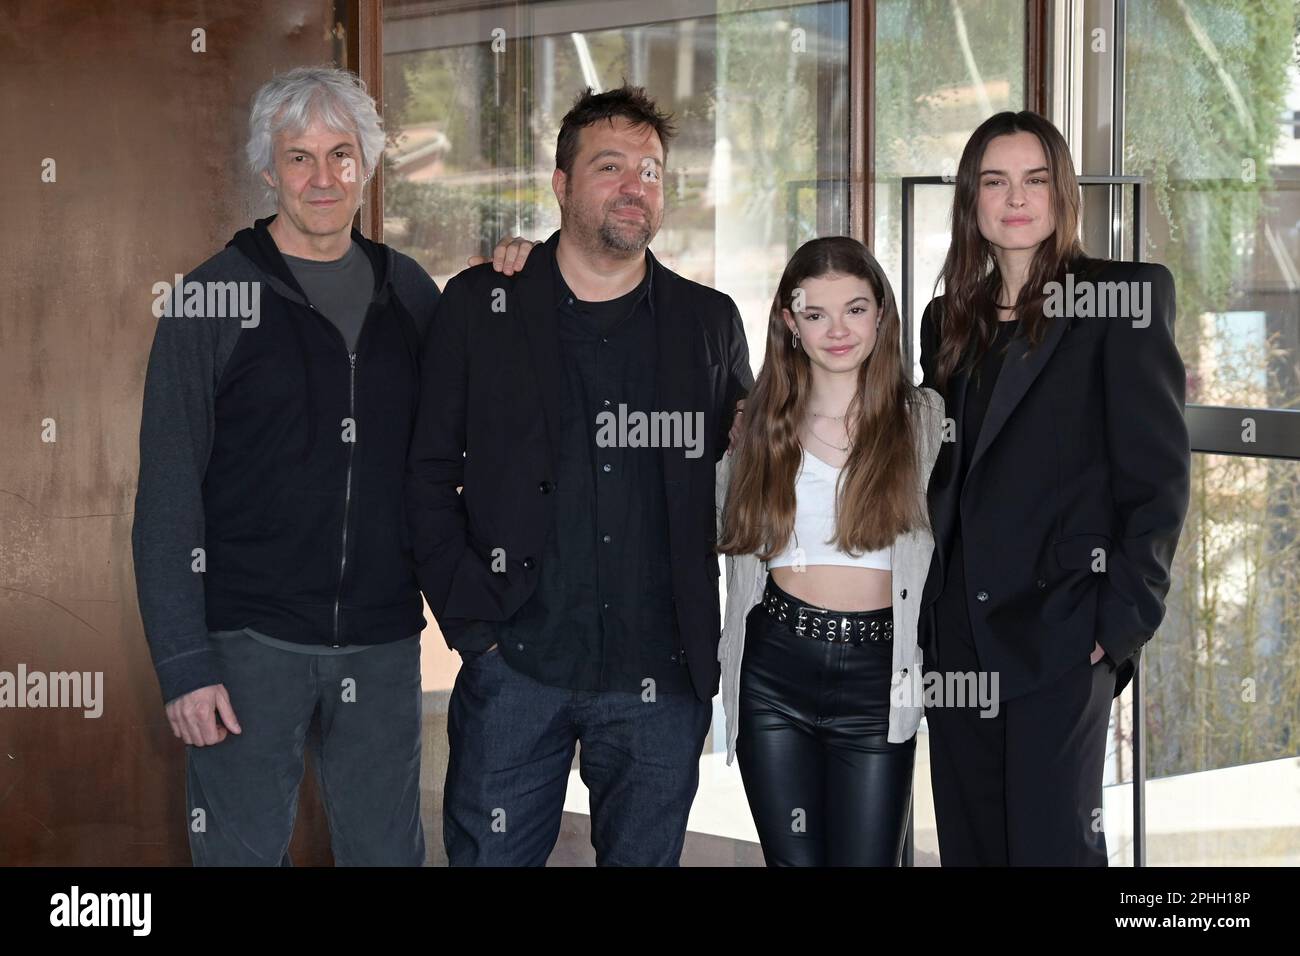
(1083,454)
(488,420)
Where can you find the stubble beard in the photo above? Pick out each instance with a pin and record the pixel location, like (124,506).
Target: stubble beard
(609,236)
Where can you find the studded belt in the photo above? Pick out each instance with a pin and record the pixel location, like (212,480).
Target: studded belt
(819,624)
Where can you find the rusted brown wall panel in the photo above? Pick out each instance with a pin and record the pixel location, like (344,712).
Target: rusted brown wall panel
(147,136)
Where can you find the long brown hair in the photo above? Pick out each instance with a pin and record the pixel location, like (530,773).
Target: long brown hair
(876,494)
(971,279)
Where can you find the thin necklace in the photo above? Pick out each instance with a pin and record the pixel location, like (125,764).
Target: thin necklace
(812,431)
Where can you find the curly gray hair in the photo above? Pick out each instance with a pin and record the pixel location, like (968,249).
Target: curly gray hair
(291,101)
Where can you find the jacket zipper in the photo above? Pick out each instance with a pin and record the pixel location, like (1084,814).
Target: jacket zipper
(347,490)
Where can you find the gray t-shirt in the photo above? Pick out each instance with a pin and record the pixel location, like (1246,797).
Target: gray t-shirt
(340,290)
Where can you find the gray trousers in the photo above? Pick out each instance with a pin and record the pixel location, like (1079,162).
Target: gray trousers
(242,793)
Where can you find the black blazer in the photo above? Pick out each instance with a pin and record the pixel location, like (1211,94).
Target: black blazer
(489,406)
(1083,446)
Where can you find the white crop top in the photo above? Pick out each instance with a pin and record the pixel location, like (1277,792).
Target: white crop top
(814,523)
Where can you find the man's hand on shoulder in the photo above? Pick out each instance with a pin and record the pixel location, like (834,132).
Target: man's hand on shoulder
(508,257)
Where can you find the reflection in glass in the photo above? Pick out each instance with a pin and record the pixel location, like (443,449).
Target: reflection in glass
(942,68)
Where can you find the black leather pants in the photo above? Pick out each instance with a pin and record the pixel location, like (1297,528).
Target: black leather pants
(825,786)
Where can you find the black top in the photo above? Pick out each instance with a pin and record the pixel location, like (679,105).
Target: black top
(604,600)
(979,390)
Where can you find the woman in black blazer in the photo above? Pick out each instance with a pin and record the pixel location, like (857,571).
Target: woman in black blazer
(1056,502)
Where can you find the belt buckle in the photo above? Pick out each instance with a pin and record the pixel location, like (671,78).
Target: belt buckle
(799,625)
(807,610)
(817,623)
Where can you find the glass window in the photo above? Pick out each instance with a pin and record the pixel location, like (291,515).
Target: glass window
(1211,92)
(1223,674)
(942,68)
(759,92)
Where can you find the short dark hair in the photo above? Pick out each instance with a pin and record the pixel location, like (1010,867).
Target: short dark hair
(629,102)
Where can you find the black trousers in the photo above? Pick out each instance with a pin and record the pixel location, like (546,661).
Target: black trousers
(825,785)
(1022,788)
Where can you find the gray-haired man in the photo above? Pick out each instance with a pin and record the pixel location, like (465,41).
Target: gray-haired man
(271,554)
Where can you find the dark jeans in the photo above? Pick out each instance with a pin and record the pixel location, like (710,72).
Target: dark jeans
(367,758)
(825,785)
(512,743)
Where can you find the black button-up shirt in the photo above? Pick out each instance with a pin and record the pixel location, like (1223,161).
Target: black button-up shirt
(602,616)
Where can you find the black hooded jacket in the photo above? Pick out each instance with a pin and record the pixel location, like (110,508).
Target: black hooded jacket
(272,461)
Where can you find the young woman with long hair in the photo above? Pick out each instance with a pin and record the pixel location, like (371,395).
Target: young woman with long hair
(822,513)
(1057,507)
